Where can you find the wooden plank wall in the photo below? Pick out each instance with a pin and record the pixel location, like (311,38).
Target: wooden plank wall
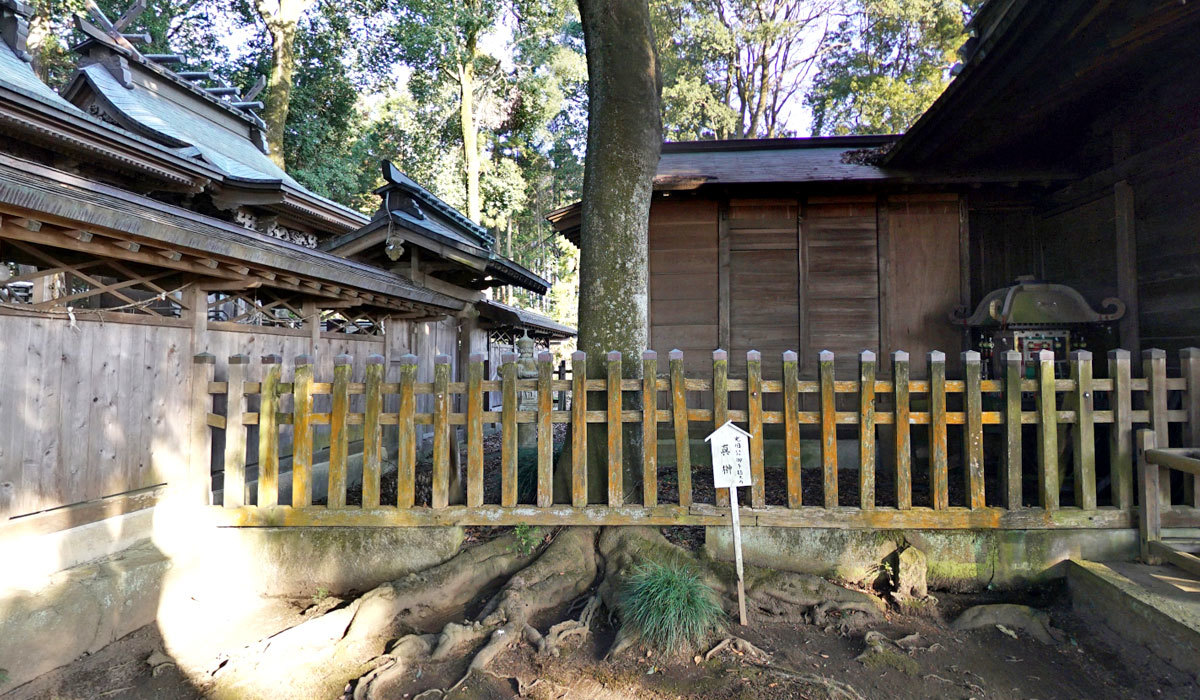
(841,281)
(684,280)
(1004,246)
(764,281)
(101,409)
(1167,213)
(90,411)
(921,284)
(1066,236)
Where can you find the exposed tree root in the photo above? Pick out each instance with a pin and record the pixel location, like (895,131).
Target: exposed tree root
(740,646)
(330,651)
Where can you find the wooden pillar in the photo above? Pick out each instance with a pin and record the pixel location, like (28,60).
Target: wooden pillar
(964,262)
(723,281)
(312,321)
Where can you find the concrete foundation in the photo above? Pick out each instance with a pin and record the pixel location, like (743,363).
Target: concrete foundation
(78,611)
(1157,607)
(957,559)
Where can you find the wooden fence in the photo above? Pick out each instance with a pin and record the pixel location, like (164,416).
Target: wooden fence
(992,421)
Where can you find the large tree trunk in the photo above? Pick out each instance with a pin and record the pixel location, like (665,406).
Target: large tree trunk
(281,18)
(470,132)
(624,140)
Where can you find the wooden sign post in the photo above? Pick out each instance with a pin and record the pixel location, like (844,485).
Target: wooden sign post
(731,469)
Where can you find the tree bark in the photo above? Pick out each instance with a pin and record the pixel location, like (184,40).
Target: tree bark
(281,18)
(624,140)
(470,132)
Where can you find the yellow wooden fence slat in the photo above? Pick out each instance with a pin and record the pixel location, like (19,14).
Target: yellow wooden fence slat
(649,428)
(754,396)
(235,432)
(1120,440)
(1047,400)
(1013,461)
(1154,368)
(475,430)
(720,388)
(440,497)
(1084,434)
(616,491)
(302,437)
(829,460)
(508,429)
(900,374)
(372,432)
(866,430)
(579,461)
(406,447)
(973,430)
(679,419)
(339,437)
(268,431)
(791,428)
(545,431)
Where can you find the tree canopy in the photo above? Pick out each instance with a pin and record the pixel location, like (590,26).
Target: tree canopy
(888,61)
(485,102)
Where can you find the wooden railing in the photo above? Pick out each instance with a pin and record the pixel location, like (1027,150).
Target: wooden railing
(1155,464)
(988,418)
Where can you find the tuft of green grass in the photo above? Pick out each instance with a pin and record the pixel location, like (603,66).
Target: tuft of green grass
(3,676)
(669,607)
(527,539)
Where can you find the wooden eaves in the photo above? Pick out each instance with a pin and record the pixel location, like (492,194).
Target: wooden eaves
(49,207)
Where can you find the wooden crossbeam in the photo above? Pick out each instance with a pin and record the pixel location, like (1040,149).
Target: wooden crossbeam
(61,238)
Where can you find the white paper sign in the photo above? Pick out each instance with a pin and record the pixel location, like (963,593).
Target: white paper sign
(730,456)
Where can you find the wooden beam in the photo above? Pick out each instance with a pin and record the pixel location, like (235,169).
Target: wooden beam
(58,238)
(173,255)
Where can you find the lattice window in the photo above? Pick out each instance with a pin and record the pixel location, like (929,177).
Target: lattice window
(356,321)
(59,281)
(256,307)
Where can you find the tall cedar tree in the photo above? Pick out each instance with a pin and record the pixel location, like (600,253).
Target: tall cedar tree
(624,140)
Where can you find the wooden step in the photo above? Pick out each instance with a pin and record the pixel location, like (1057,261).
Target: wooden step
(1184,560)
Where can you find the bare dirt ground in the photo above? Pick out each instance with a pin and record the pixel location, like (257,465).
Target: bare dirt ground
(938,663)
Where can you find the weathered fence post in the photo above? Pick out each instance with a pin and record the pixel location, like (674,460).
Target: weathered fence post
(679,419)
(372,432)
(939,480)
(1047,402)
(302,438)
(1013,460)
(235,433)
(791,427)
(866,430)
(973,429)
(1084,438)
(339,438)
(1189,365)
(508,429)
(440,495)
(198,480)
(545,432)
(1120,435)
(268,431)
(1149,507)
(475,430)
(406,445)
(616,485)
(649,428)
(1154,368)
(758,485)
(579,460)
(720,388)
(900,374)
(829,460)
